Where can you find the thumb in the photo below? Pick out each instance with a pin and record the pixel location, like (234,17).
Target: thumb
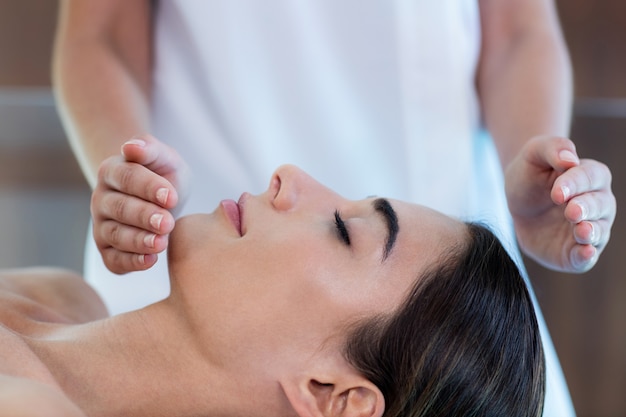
(155,155)
(552,152)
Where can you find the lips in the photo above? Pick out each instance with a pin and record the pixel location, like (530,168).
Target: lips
(233,213)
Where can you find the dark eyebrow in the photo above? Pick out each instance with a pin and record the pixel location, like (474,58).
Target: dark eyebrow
(382,206)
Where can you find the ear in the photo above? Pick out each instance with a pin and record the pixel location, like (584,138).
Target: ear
(349,396)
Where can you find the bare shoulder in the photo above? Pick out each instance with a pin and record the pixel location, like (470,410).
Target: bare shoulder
(59,290)
(28,296)
(28,398)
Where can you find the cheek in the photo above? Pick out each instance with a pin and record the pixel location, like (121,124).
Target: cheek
(281,294)
(337,290)
(304,281)
(329,284)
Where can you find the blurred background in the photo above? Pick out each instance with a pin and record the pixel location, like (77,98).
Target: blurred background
(44,200)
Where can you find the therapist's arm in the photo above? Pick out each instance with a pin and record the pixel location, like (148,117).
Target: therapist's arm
(102,69)
(524,77)
(101,76)
(562,207)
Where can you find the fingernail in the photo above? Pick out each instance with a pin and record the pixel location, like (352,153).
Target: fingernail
(155,221)
(148,240)
(583,212)
(568,156)
(137,142)
(161,195)
(592,234)
(566,192)
(141,259)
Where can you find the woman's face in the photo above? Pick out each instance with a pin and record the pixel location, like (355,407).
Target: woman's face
(296,264)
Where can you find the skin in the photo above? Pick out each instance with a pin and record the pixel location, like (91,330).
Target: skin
(524,84)
(32,297)
(524,77)
(255,322)
(561,205)
(294,219)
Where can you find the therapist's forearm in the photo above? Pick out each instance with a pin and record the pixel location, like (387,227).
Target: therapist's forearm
(101,75)
(526,90)
(100,104)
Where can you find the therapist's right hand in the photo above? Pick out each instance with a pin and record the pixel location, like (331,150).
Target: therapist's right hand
(134,201)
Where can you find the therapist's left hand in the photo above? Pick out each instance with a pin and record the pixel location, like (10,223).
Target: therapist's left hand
(562,206)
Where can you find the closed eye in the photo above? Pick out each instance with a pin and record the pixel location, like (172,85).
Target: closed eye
(342,230)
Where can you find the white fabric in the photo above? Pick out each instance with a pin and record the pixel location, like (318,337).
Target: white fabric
(369,97)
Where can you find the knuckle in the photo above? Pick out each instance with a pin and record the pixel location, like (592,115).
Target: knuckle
(126,176)
(598,172)
(605,172)
(94,205)
(99,237)
(112,261)
(118,208)
(102,245)
(98,200)
(115,234)
(103,169)
(95,196)
(107,169)
(588,177)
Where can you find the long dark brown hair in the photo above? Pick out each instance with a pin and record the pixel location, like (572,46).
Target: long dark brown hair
(464,343)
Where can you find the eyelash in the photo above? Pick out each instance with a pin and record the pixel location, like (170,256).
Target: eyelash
(342,230)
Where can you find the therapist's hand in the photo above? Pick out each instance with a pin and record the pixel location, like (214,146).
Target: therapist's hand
(133,202)
(562,206)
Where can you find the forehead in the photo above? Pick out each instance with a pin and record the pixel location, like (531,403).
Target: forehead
(425,231)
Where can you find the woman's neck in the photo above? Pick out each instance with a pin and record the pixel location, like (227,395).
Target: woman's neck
(140,363)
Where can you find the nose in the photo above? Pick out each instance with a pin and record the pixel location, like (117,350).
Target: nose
(291,186)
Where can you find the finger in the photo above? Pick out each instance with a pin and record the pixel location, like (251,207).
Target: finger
(589,176)
(593,214)
(583,257)
(123,262)
(595,233)
(591,206)
(585,234)
(155,155)
(133,211)
(128,239)
(554,152)
(137,180)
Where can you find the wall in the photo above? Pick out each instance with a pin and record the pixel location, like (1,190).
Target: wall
(44,201)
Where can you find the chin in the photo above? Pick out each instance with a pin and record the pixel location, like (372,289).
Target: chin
(184,237)
(193,234)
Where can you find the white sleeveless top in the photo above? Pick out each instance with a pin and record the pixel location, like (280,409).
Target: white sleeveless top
(369,97)
(366,96)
